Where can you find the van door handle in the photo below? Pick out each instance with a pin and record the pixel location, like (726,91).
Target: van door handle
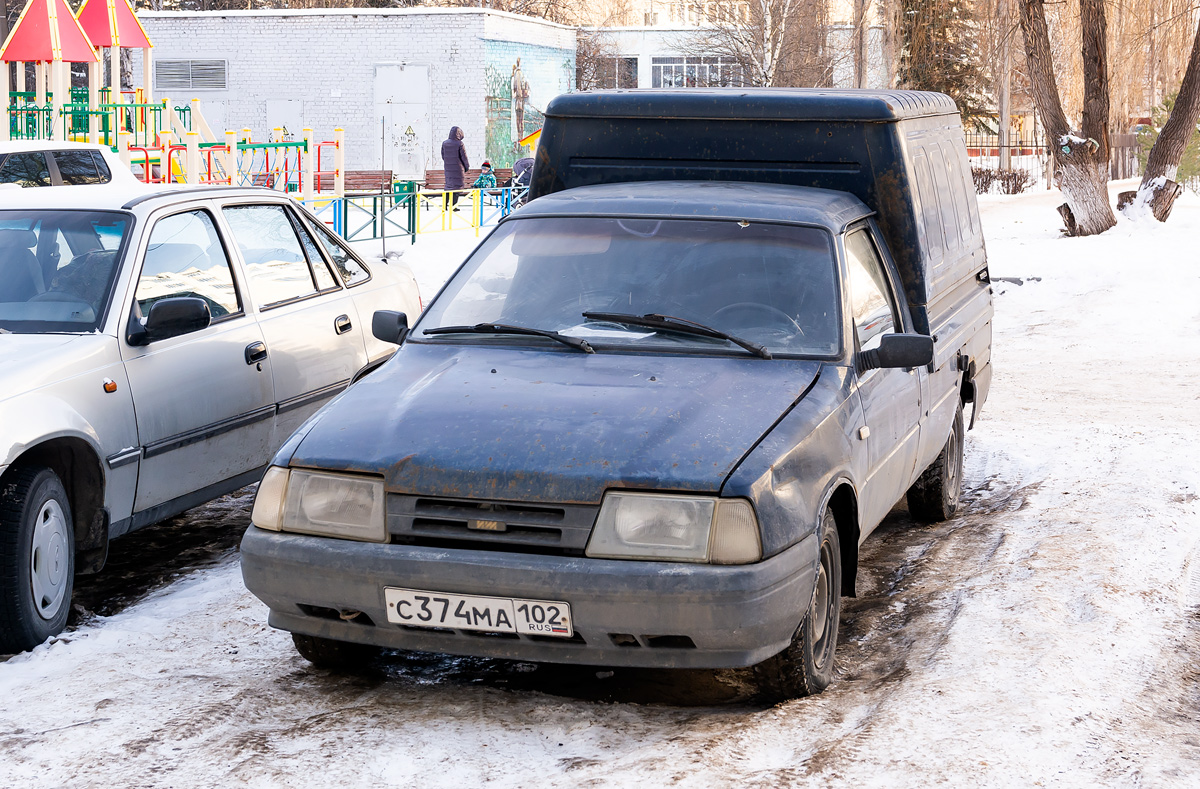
(342,324)
(256,352)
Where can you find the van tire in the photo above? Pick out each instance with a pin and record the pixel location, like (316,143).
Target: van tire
(805,666)
(37,558)
(334,655)
(935,495)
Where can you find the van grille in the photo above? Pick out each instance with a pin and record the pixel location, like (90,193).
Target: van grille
(561,529)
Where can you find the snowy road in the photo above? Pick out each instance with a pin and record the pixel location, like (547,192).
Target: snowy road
(1048,636)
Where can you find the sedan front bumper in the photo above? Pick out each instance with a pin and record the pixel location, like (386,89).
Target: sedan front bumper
(679,615)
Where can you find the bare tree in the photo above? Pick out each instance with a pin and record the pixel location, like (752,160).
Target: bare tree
(774,43)
(597,61)
(1158,188)
(1081,159)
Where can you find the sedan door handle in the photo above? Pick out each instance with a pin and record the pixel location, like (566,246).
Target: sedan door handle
(342,324)
(256,352)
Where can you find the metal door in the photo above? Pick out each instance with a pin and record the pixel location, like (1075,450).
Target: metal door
(404,141)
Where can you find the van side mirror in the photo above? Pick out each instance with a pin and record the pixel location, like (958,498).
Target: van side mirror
(389,326)
(898,350)
(171,318)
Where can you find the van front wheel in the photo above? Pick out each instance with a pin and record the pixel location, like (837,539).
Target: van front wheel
(805,667)
(935,495)
(334,655)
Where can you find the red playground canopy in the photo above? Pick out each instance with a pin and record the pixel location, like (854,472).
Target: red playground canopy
(47,30)
(112,23)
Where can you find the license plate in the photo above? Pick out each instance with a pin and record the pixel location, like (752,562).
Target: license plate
(470,612)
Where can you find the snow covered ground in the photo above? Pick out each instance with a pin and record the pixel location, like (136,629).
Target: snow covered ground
(1048,636)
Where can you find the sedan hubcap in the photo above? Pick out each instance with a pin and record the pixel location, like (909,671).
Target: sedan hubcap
(48,560)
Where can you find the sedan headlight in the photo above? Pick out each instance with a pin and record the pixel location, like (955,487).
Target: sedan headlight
(314,502)
(675,528)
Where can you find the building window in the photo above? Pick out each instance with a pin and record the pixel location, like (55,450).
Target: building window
(617,73)
(696,72)
(700,13)
(189,75)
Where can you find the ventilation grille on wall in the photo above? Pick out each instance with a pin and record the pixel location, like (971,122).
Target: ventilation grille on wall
(189,75)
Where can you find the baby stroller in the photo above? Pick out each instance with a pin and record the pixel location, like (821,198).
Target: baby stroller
(521,172)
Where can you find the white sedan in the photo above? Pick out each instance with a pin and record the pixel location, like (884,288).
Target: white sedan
(156,347)
(32,163)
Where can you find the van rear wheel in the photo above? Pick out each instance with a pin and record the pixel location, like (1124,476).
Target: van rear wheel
(935,495)
(37,558)
(805,667)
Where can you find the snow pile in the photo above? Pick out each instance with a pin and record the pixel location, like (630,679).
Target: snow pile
(1047,637)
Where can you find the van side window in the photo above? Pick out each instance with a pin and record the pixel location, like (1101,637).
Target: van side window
(929,208)
(185,258)
(962,198)
(947,198)
(870,305)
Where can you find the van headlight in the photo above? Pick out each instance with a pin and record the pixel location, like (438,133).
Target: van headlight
(675,528)
(317,502)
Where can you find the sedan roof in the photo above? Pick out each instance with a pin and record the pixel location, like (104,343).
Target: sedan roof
(118,196)
(704,200)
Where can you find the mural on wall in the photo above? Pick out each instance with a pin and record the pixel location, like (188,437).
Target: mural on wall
(521,80)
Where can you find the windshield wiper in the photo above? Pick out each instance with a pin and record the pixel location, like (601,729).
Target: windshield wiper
(653,320)
(502,328)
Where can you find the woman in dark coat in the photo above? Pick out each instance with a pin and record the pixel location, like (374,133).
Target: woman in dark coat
(454,159)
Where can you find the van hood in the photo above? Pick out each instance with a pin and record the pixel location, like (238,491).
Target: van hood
(535,425)
(30,361)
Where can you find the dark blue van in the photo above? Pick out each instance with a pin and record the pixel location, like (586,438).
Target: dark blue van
(652,417)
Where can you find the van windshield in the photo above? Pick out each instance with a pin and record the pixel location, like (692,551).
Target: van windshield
(765,284)
(57,268)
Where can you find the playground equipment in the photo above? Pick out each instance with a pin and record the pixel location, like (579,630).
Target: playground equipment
(48,35)
(167,142)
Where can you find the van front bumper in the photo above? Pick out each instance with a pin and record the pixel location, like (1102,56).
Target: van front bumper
(711,616)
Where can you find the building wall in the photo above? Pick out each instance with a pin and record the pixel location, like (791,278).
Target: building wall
(647,43)
(318,68)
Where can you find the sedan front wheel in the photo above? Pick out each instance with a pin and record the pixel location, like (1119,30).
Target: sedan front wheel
(37,558)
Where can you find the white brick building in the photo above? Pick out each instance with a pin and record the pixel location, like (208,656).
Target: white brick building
(401,75)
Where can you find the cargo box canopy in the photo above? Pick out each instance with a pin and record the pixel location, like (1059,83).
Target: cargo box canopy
(797,104)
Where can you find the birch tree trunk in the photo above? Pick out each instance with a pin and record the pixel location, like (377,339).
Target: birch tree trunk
(860,43)
(1158,188)
(1081,160)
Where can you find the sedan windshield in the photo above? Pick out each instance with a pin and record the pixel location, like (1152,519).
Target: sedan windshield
(57,268)
(651,284)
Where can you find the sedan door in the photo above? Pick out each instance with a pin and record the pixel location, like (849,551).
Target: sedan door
(204,399)
(308,320)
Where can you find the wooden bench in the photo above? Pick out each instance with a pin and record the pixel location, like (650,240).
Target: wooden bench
(435,180)
(359,182)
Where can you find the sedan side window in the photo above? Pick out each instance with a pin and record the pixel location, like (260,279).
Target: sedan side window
(870,305)
(25,169)
(276,268)
(325,280)
(185,258)
(351,271)
(79,167)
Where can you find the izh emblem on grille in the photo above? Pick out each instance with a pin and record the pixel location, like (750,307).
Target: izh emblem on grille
(480,525)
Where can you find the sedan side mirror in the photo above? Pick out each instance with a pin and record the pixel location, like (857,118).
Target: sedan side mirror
(898,350)
(389,326)
(171,318)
